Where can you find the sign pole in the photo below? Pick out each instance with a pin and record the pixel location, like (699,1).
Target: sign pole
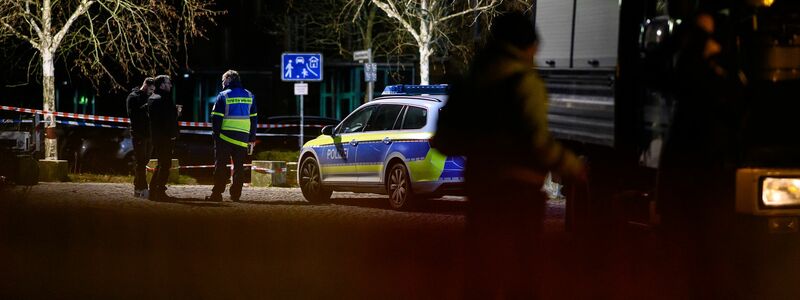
(370,84)
(301,89)
(370,69)
(301,118)
(301,67)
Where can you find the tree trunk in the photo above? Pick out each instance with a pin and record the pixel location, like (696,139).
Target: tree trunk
(424,57)
(370,25)
(424,43)
(49,96)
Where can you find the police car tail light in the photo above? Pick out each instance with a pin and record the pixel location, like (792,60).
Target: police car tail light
(780,192)
(411,89)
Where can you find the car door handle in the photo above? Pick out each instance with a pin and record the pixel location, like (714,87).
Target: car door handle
(387,140)
(353,143)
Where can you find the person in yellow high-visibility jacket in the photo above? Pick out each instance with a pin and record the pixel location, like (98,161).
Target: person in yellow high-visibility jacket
(234,119)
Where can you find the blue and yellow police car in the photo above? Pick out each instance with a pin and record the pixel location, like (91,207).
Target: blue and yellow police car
(383,147)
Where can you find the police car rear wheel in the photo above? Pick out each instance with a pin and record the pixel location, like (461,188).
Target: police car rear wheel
(398,187)
(311,182)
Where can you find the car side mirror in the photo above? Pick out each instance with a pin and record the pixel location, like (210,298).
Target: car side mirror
(327,130)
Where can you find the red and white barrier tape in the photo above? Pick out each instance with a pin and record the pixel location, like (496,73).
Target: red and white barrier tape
(66,115)
(257,169)
(267,170)
(126,120)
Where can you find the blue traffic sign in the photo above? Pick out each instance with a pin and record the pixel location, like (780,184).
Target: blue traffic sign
(301,67)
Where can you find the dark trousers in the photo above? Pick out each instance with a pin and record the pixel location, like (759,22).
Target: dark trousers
(142,147)
(705,240)
(224,152)
(162,150)
(503,226)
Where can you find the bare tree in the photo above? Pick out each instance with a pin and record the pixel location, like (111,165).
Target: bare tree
(429,23)
(106,40)
(327,25)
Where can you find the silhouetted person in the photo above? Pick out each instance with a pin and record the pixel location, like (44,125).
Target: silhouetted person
(164,131)
(234,120)
(497,117)
(136,105)
(696,173)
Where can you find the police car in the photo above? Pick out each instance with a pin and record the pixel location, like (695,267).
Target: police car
(383,147)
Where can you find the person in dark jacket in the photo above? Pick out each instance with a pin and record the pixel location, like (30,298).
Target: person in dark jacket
(234,119)
(511,148)
(163,131)
(702,140)
(140,134)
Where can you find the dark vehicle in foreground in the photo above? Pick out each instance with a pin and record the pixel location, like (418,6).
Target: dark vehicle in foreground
(609,103)
(608,98)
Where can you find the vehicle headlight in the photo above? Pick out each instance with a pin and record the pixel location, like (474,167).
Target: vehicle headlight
(780,192)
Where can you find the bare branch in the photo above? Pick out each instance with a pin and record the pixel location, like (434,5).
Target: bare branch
(28,16)
(108,41)
(13,18)
(429,23)
(476,9)
(20,35)
(82,8)
(390,9)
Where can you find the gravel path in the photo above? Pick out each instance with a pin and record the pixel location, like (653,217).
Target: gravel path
(254,201)
(95,240)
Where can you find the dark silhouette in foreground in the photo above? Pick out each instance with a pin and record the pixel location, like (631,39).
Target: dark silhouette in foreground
(508,156)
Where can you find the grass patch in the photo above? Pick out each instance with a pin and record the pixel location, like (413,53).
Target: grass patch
(188,180)
(277,155)
(89,177)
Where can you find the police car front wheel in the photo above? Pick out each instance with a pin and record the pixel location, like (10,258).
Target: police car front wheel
(311,182)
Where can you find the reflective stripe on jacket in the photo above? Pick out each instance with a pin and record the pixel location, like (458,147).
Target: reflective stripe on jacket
(235,116)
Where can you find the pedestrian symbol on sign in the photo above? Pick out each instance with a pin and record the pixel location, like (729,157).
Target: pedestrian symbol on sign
(288,68)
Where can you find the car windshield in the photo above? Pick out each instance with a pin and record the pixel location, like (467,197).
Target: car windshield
(357,121)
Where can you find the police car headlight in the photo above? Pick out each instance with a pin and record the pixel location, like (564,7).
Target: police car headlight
(780,192)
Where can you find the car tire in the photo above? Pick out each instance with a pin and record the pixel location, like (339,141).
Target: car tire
(398,187)
(311,182)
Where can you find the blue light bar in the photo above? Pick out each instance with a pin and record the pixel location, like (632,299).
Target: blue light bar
(413,89)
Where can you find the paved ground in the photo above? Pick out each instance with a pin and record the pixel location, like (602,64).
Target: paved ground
(69,240)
